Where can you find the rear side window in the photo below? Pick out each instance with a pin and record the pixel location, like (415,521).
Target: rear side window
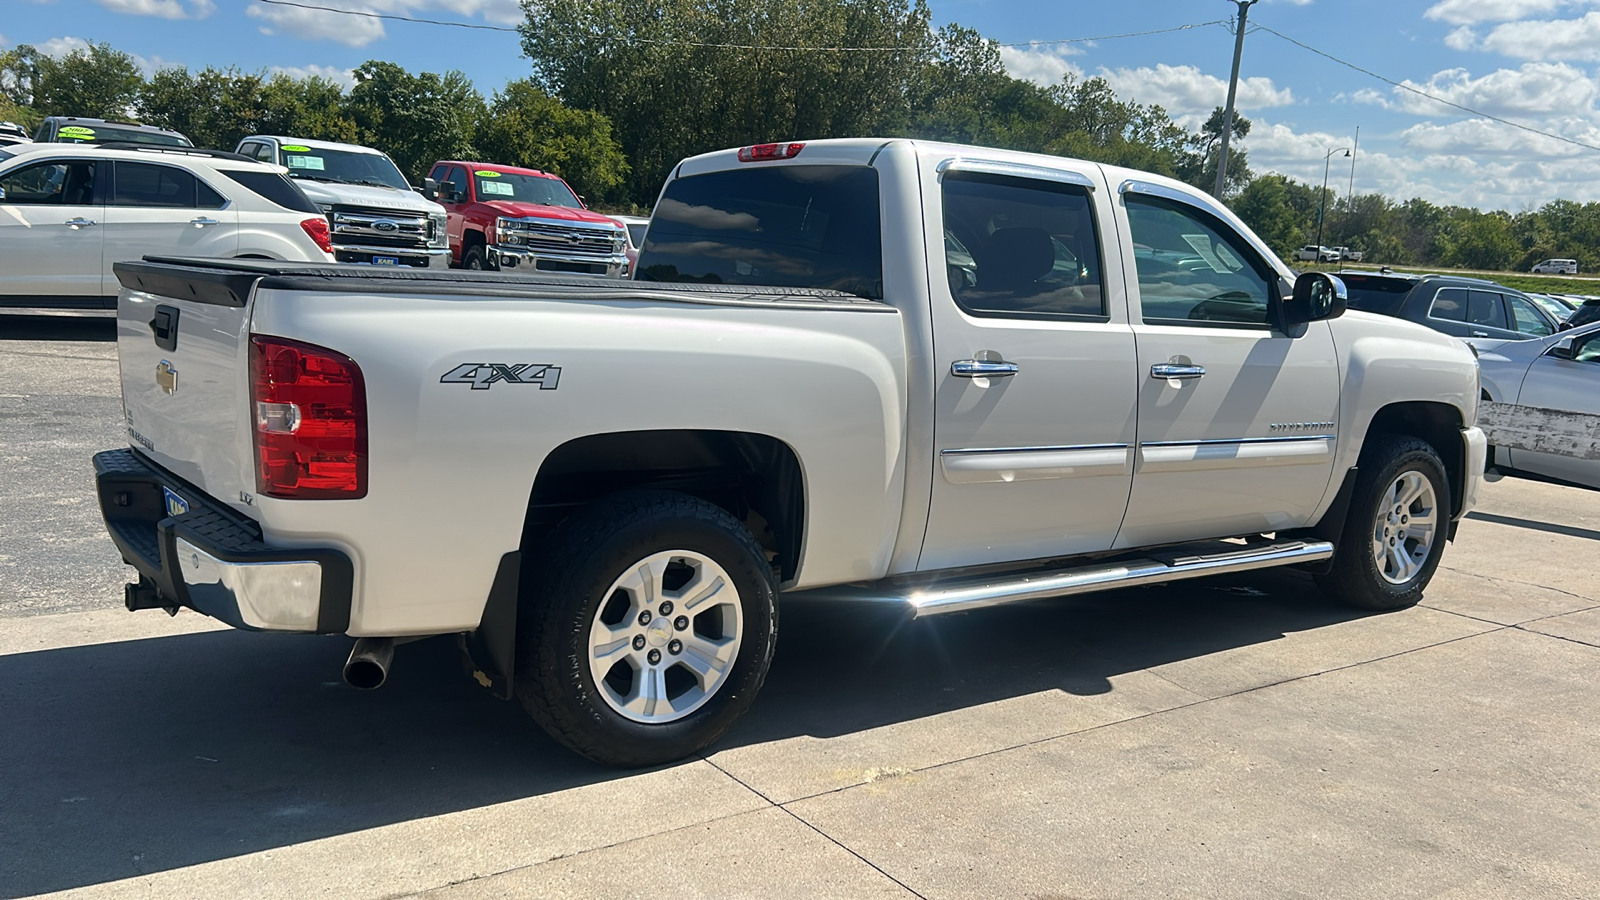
(1450,304)
(788,226)
(143,184)
(1024,248)
(1485,308)
(274,187)
(1376,295)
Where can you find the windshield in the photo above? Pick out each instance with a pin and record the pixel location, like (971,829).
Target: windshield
(786,226)
(524,189)
(341,166)
(1377,295)
(101,134)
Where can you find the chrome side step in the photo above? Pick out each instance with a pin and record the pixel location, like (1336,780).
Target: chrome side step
(977,592)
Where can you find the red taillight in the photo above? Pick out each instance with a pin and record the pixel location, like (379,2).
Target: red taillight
(762,152)
(317,229)
(309,407)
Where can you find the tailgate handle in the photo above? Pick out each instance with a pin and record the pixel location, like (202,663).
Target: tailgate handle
(165,327)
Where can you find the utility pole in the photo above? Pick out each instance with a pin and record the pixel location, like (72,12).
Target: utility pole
(1323,211)
(1233,90)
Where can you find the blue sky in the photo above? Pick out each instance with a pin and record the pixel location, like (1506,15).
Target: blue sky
(1530,61)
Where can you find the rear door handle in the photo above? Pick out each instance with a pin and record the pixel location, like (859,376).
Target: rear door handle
(1172,370)
(982,368)
(202,221)
(80,222)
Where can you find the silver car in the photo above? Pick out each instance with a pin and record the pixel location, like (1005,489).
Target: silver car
(1560,372)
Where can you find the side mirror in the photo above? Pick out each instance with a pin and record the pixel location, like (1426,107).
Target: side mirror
(1317,296)
(1561,349)
(584,200)
(429,189)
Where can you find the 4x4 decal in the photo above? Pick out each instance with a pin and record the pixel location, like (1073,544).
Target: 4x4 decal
(482,375)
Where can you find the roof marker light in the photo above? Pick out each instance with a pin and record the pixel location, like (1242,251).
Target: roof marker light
(764,152)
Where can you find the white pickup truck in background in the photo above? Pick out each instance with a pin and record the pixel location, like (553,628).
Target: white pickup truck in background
(933,376)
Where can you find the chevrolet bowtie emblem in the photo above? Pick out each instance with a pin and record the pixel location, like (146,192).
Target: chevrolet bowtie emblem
(166,377)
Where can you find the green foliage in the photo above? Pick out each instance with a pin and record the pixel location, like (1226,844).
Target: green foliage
(415,118)
(524,126)
(101,82)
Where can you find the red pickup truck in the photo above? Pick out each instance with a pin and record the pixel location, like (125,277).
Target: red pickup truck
(503,217)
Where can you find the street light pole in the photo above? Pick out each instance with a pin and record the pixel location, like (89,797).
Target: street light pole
(1327,160)
(1233,90)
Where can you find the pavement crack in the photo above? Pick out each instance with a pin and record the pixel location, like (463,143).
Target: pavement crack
(1544,587)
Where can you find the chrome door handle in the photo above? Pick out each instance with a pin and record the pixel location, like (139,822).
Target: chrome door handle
(1172,370)
(982,368)
(1478,334)
(202,221)
(79,222)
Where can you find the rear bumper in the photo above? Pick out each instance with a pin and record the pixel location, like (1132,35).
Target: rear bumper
(212,560)
(504,256)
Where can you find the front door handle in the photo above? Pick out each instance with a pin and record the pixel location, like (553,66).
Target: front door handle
(982,368)
(1478,334)
(1172,370)
(80,222)
(202,221)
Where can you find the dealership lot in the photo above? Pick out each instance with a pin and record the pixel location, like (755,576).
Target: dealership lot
(1234,737)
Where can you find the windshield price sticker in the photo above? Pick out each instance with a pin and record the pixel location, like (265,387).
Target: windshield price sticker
(296,148)
(487,174)
(303,162)
(77,131)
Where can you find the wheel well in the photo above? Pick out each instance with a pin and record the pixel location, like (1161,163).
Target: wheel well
(1437,423)
(754,477)
(471,238)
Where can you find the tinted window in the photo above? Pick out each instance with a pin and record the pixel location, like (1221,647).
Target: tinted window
(1485,308)
(636,234)
(438,174)
(1450,304)
(1020,247)
(791,226)
(1192,268)
(1528,319)
(458,178)
(275,188)
(206,198)
(56,183)
(142,184)
(1588,312)
(1377,295)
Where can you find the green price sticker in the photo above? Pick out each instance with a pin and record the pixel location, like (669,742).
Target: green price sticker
(487,174)
(296,148)
(77,131)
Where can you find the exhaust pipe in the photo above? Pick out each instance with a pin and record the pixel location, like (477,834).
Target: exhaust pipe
(368,665)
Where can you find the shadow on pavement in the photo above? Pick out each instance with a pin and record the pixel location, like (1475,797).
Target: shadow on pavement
(23,327)
(127,758)
(1533,525)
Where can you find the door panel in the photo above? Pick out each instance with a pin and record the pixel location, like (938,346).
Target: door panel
(1565,384)
(1236,418)
(44,255)
(1036,463)
(158,209)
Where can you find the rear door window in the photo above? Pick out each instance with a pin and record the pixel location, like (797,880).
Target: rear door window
(143,184)
(1450,304)
(1484,308)
(787,226)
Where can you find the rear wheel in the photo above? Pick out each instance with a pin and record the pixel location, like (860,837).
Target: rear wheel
(647,629)
(1397,525)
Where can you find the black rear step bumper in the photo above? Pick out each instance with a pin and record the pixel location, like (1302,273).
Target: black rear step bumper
(211,559)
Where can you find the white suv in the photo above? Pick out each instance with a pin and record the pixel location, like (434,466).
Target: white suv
(67,212)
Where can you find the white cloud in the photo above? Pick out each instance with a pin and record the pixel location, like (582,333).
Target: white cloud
(1559,39)
(1535,89)
(1462,38)
(358,31)
(344,77)
(1042,67)
(1469,12)
(164,9)
(55,48)
(1185,90)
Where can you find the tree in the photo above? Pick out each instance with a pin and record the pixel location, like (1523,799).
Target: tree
(100,82)
(19,76)
(416,119)
(213,107)
(524,126)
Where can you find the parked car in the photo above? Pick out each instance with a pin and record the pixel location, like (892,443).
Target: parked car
(606,487)
(505,217)
(1346,254)
(636,226)
(1313,253)
(68,213)
(80,130)
(11,133)
(1556,305)
(1588,312)
(1560,372)
(1555,267)
(376,217)
(1464,307)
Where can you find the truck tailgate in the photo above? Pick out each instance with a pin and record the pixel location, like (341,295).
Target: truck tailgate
(183,345)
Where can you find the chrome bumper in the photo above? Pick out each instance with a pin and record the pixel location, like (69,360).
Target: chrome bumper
(506,256)
(210,559)
(411,257)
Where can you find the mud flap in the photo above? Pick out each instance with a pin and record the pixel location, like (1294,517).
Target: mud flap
(491,649)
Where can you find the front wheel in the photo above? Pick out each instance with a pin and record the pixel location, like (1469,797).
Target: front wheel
(647,629)
(474,258)
(1397,526)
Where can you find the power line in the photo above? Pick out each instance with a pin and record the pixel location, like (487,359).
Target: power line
(716,46)
(1421,93)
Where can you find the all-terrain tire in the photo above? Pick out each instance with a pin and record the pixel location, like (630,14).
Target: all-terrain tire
(473,258)
(1358,576)
(564,588)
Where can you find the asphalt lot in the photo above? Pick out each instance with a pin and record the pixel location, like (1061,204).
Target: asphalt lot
(1240,737)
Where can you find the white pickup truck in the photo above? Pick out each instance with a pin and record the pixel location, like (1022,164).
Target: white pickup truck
(932,376)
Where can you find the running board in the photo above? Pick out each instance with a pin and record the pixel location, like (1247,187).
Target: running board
(978,592)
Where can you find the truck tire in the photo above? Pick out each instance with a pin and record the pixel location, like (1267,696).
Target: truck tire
(647,628)
(473,258)
(1396,530)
